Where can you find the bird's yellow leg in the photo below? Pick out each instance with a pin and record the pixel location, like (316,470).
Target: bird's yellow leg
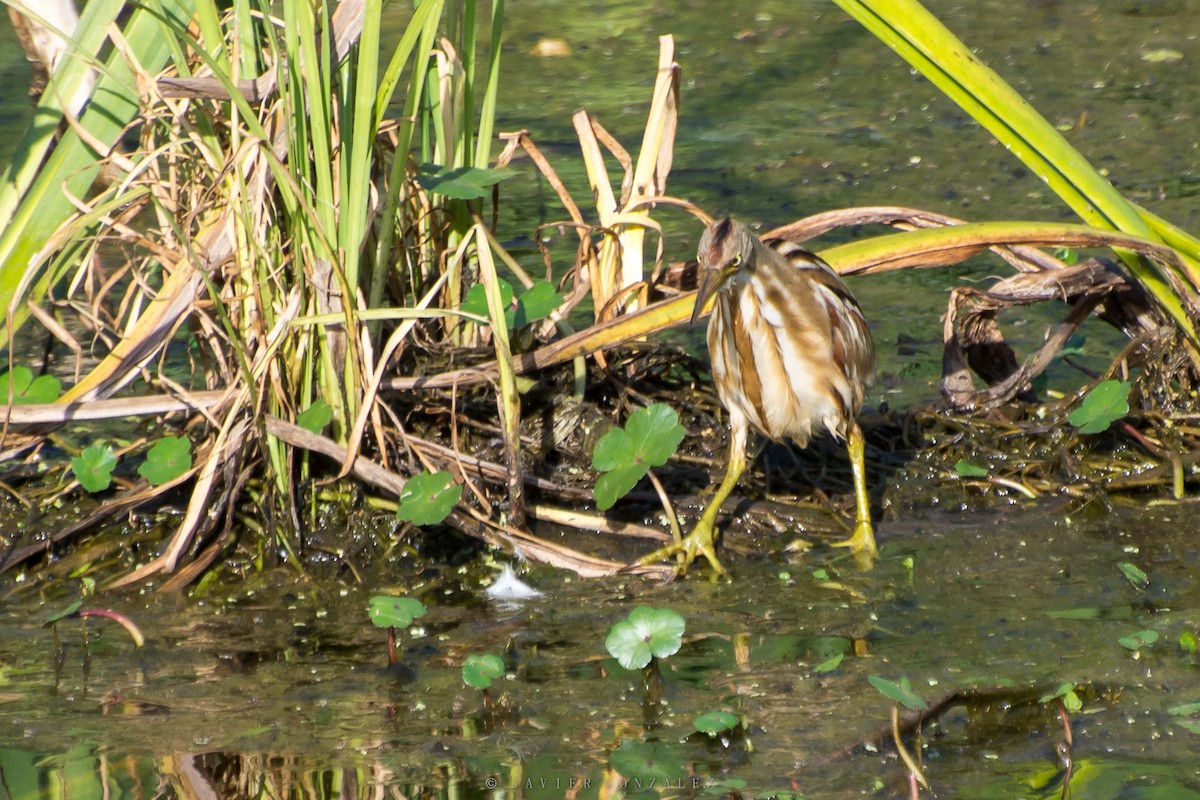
(703,538)
(862,541)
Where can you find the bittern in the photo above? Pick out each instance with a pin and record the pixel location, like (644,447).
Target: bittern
(791,351)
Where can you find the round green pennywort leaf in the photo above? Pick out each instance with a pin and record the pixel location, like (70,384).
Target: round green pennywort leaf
(647,761)
(1136,641)
(615,449)
(536,302)
(314,418)
(715,722)
(476,301)
(170,457)
(26,389)
(649,438)
(1106,403)
(646,633)
(657,431)
(428,498)
(387,611)
(94,466)
(480,669)
(612,486)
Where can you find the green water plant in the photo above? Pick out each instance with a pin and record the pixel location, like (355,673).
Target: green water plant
(1104,404)
(76,609)
(901,694)
(1187,716)
(93,467)
(428,498)
(18,386)
(647,764)
(392,612)
(1066,695)
(481,669)
(646,636)
(166,460)
(531,305)
(316,417)
(829,664)
(650,436)
(169,458)
(715,722)
(1134,642)
(968,469)
(1136,576)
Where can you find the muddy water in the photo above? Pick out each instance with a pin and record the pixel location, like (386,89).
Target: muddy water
(279,689)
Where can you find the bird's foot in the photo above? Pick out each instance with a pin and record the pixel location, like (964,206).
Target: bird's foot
(701,541)
(861,543)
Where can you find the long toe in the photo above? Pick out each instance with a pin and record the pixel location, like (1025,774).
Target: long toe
(699,541)
(862,542)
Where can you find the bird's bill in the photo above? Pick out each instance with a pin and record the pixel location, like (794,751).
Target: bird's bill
(709,282)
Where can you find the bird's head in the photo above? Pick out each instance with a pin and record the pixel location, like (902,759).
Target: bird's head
(726,248)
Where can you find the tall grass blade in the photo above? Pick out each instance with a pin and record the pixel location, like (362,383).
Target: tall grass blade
(69,170)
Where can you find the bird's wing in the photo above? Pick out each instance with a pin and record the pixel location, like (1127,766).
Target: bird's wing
(853,345)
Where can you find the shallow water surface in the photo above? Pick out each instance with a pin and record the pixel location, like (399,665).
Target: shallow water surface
(284,686)
(279,689)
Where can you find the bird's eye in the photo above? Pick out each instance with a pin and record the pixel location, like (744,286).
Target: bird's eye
(735,262)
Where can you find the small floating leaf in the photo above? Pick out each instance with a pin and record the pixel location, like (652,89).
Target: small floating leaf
(314,418)
(966,469)
(170,457)
(428,498)
(901,692)
(64,613)
(387,611)
(1106,403)
(829,664)
(647,761)
(1062,689)
(27,389)
(1067,693)
(646,633)
(1185,710)
(94,466)
(1189,642)
(715,722)
(1136,641)
(1136,577)
(480,669)
(625,455)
